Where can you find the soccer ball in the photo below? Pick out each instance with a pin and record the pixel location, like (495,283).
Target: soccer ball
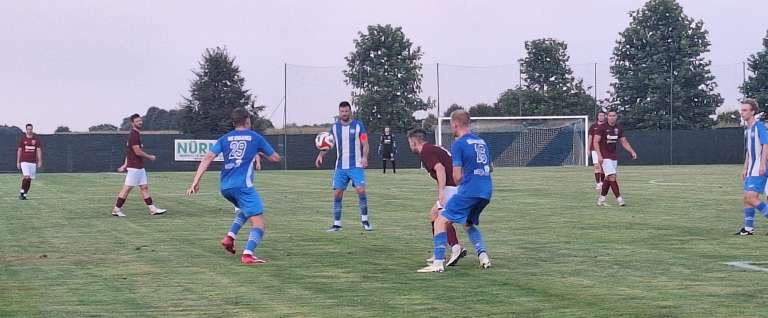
(324,141)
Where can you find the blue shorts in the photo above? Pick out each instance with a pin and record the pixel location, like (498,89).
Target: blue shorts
(245,199)
(341,178)
(755,184)
(464,210)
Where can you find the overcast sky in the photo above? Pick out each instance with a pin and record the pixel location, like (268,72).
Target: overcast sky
(81,63)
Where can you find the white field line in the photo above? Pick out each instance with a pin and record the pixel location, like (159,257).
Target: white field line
(662,183)
(747,265)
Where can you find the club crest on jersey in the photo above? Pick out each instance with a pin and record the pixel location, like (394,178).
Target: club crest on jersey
(615,130)
(34,142)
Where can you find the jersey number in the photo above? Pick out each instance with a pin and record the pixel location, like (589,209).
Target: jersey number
(237,149)
(482,155)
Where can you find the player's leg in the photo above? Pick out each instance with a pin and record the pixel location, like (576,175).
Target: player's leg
(394,167)
(228,242)
(599,176)
(440,241)
(473,232)
(457,251)
(384,165)
(121,197)
(358,181)
(340,182)
(144,187)
(753,187)
(749,214)
(250,203)
(28,171)
(609,168)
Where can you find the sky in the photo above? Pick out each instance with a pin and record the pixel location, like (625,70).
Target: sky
(83,63)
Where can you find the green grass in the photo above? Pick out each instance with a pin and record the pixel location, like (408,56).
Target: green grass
(555,253)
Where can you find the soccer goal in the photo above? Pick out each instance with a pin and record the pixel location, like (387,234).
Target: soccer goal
(528,141)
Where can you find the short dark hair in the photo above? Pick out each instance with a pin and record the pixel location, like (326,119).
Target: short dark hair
(134,116)
(28,125)
(345,104)
(418,133)
(240,115)
(752,103)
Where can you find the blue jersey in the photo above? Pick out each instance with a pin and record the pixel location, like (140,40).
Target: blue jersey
(349,148)
(240,148)
(756,136)
(471,153)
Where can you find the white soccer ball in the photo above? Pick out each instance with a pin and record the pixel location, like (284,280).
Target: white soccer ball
(324,141)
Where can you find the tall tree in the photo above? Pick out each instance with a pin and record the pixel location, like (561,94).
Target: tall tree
(660,57)
(757,85)
(483,110)
(218,89)
(451,109)
(386,69)
(550,88)
(103,127)
(61,129)
(10,130)
(156,119)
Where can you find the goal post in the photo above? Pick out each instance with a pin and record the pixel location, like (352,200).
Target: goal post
(528,141)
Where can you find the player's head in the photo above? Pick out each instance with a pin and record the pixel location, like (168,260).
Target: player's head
(601,117)
(416,139)
(459,122)
(748,109)
(29,129)
(241,118)
(345,111)
(136,121)
(612,117)
(386,130)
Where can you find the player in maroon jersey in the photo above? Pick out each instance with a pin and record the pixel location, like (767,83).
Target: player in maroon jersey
(136,174)
(29,157)
(593,130)
(437,161)
(606,141)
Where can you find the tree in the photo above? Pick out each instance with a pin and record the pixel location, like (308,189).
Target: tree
(61,129)
(658,55)
(729,119)
(218,89)
(451,109)
(483,110)
(103,127)
(10,130)
(757,85)
(386,69)
(156,119)
(550,88)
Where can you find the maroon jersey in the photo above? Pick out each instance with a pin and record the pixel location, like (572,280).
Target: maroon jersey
(610,136)
(29,148)
(592,132)
(431,155)
(134,161)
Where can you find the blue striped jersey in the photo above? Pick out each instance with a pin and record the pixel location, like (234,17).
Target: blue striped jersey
(348,140)
(756,136)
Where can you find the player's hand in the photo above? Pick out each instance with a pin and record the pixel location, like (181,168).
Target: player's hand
(152,157)
(441,198)
(18,166)
(194,188)
(319,161)
(743,174)
(121,169)
(634,156)
(364,162)
(39,165)
(434,213)
(258,165)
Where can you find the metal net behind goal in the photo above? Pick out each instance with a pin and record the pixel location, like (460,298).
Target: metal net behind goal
(528,142)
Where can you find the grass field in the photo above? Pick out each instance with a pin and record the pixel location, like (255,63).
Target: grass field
(555,253)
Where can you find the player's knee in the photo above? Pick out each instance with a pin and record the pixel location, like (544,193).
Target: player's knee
(338,194)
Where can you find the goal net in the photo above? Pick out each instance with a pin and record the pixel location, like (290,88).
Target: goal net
(528,141)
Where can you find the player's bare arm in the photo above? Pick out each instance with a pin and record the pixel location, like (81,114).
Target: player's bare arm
(319,160)
(137,150)
(18,158)
(763,158)
(441,180)
(596,146)
(746,166)
(201,169)
(628,147)
(364,160)
(39,157)
(274,157)
(457,175)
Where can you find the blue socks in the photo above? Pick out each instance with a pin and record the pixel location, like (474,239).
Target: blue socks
(476,238)
(749,217)
(237,223)
(763,208)
(441,241)
(336,211)
(253,240)
(363,207)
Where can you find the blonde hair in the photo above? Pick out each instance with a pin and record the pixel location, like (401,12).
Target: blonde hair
(460,117)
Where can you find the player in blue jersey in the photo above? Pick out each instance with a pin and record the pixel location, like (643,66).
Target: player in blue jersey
(351,140)
(472,168)
(240,148)
(754,173)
